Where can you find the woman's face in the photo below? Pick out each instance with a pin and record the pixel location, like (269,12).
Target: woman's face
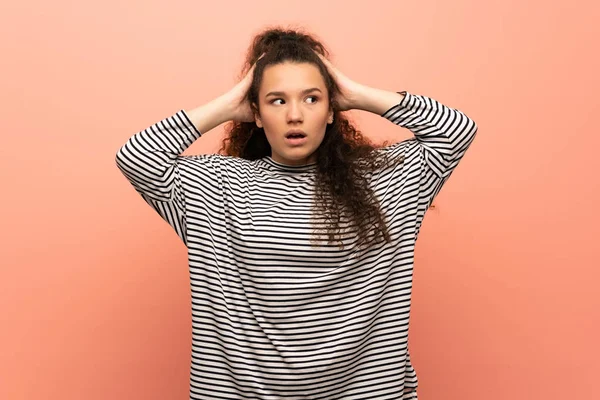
(293,96)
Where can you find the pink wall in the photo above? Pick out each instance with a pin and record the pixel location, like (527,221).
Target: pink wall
(94,287)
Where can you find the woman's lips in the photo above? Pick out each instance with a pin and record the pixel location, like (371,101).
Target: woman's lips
(296,141)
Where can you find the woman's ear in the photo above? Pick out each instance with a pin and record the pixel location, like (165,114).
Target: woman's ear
(330,117)
(256,115)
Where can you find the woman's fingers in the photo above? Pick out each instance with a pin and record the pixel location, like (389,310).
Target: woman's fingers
(329,66)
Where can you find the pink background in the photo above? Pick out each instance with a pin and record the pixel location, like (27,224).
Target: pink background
(94,286)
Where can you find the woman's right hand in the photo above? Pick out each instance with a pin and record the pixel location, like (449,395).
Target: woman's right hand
(240,110)
(231,106)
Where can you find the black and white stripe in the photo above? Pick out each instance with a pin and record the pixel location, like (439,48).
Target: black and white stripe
(272,316)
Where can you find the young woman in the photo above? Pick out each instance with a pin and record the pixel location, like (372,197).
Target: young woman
(301,235)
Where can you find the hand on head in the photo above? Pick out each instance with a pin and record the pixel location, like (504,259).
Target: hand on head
(240,106)
(347,97)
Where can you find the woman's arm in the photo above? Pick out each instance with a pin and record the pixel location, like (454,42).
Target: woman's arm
(375,100)
(148,158)
(151,158)
(445,133)
(212,114)
(442,134)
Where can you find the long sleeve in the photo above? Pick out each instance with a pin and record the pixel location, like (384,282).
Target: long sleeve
(443,135)
(150,161)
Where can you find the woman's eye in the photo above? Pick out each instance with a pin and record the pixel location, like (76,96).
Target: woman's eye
(309,97)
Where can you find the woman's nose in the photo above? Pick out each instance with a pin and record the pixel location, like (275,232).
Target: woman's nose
(294,112)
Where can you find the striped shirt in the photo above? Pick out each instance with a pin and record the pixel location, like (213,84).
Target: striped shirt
(274,316)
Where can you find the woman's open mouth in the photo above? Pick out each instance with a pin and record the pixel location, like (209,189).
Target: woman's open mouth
(295,138)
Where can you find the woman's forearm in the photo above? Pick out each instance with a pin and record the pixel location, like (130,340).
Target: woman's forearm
(375,100)
(211,114)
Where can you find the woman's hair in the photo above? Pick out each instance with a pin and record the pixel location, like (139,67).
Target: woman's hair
(344,158)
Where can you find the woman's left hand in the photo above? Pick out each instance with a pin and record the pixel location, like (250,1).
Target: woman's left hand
(349,90)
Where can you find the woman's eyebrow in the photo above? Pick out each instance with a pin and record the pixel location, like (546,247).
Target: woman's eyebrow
(305,91)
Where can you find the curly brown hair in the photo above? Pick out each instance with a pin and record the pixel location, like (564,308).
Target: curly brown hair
(344,158)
